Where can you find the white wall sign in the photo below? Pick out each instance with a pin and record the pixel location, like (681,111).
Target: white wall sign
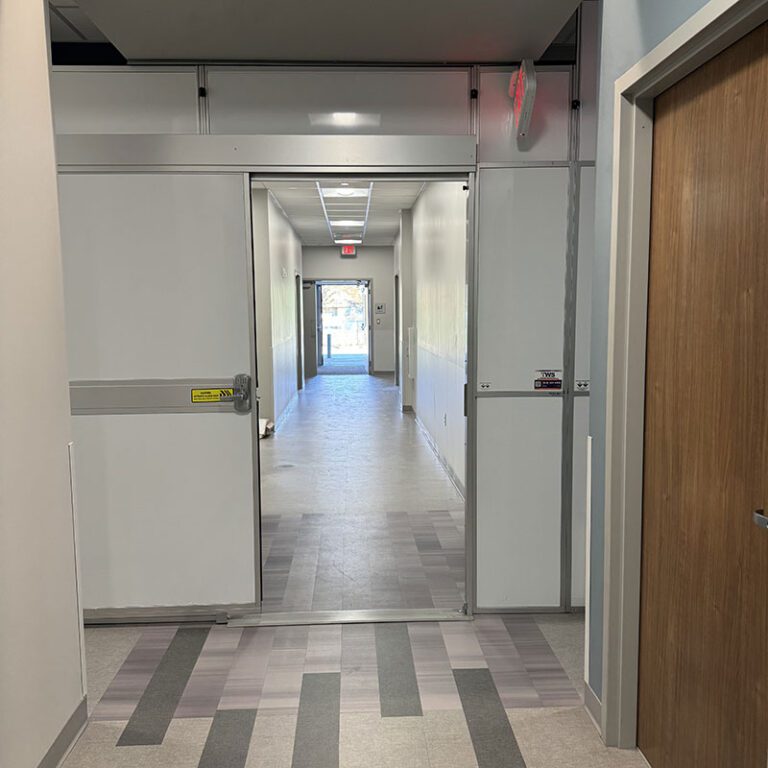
(548,380)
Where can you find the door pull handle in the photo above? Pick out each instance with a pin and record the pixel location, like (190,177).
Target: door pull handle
(759,518)
(242,393)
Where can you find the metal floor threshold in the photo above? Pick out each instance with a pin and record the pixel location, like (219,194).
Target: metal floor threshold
(374,616)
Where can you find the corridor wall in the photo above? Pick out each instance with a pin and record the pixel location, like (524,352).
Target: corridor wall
(277,255)
(439,295)
(376,264)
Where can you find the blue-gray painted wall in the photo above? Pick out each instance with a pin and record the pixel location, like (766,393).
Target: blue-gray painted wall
(629,30)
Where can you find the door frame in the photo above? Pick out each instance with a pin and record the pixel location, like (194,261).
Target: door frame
(393,157)
(319,282)
(707,33)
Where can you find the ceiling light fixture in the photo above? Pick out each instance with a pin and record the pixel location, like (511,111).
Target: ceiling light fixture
(344,192)
(348,241)
(347,223)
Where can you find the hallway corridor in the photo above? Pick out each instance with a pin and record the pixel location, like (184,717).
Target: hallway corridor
(357,512)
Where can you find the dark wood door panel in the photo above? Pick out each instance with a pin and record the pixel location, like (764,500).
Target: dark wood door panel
(703,699)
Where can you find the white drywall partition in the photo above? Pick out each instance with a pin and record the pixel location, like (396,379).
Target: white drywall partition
(579,510)
(277,261)
(589,50)
(41,682)
(156,269)
(376,264)
(339,100)
(584,271)
(439,251)
(125,99)
(404,268)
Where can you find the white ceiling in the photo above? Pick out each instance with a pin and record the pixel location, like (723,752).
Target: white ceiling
(435,31)
(302,204)
(70,25)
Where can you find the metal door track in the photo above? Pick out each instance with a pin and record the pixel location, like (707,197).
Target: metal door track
(302,618)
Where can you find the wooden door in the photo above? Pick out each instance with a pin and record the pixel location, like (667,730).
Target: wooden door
(704,639)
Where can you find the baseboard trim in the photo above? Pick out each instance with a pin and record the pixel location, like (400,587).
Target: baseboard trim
(522,609)
(67,736)
(280,420)
(593,707)
(219,613)
(457,484)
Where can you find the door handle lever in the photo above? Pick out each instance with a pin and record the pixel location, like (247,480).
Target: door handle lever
(759,518)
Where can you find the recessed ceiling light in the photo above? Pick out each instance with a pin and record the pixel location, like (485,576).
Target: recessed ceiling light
(345,192)
(347,223)
(348,241)
(344,183)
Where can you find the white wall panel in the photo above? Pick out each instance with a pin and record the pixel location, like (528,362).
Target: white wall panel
(521,264)
(579,519)
(518,502)
(291,101)
(588,54)
(584,277)
(166,509)
(154,269)
(548,136)
(125,100)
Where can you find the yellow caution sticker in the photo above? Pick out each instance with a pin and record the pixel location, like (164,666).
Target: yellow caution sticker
(225,395)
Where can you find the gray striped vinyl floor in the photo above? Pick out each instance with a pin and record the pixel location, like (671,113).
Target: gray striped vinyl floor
(422,695)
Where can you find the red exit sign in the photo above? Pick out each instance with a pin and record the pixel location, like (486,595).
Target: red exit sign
(348,250)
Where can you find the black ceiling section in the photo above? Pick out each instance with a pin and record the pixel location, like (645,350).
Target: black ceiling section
(88,54)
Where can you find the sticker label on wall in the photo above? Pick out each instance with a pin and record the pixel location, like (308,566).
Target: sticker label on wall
(548,380)
(226,395)
(582,385)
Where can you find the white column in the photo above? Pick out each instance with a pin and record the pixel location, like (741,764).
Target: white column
(40,655)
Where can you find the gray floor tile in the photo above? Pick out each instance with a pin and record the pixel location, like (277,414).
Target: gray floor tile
(156,708)
(316,744)
(228,739)
(492,737)
(398,687)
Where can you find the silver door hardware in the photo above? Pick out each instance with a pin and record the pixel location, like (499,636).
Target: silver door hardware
(242,397)
(759,518)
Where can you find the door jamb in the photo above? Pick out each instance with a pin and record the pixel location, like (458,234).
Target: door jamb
(255,444)
(708,32)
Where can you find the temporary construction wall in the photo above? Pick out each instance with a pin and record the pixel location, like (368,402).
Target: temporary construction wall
(531,246)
